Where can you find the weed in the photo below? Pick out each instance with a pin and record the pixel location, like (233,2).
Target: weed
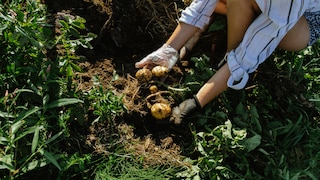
(35,97)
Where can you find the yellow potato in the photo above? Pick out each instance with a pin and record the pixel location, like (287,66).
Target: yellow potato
(153,89)
(160,71)
(160,110)
(144,75)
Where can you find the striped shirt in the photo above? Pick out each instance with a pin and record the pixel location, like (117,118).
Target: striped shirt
(262,36)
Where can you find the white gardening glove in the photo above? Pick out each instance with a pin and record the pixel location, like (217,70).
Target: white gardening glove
(164,56)
(184,108)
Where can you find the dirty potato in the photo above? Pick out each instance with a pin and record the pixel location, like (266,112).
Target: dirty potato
(144,75)
(153,89)
(160,110)
(160,71)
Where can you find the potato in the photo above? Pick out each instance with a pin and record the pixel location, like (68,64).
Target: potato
(144,75)
(153,89)
(160,110)
(160,71)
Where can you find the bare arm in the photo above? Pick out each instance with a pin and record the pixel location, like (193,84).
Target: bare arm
(215,86)
(181,35)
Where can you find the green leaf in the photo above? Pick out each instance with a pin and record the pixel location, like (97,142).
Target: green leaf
(15,127)
(35,139)
(63,102)
(24,90)
(255,118)
(35,164)
(64,24)
(6,162)
(69,71)
(54,137)
(4,140)
(252,142)
(74,32)
(75,67)
(28,113)
(26,131)
(2,28)
(6,115)
(51,158)
(45,99)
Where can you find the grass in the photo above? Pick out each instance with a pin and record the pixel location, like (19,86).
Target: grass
(270,130)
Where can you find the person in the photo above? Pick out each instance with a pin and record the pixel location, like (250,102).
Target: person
(255,29)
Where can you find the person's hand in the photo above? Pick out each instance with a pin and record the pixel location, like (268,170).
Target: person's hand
(164,56)
(184,108)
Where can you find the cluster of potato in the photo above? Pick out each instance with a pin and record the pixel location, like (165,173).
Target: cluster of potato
(161,109)
(145,75)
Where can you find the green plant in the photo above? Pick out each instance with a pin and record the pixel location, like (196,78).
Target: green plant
(23,42)
(25,135)
(215,148)
(276,111)
(69,40)
(123,166)
(35,106)
(106,104)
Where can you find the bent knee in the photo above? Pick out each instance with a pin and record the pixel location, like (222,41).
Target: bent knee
(297,38)
(247,4)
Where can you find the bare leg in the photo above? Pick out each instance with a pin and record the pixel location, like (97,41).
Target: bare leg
(221,7)
(240,14)
(297,38)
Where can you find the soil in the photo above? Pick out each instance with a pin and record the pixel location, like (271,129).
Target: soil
(126,32)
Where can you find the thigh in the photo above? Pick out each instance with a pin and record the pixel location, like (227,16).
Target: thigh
(221,8)
(298,37)
(249,4)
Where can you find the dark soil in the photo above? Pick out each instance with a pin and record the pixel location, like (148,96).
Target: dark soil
(126,32)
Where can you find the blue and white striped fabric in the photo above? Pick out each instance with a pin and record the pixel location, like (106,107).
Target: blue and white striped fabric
(264,35)
(261,38)
(198,13)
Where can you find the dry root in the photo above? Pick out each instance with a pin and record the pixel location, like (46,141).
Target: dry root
(167,153)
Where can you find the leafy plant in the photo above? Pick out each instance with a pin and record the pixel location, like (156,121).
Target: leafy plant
(36,96)
(23,42)
(106,105)
(277,117)
(25,128)
(69,40)
(215,148)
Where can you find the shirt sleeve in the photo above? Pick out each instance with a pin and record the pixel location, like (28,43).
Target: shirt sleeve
(262,37)
(198,13)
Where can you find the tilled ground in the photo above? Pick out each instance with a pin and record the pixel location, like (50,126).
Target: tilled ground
(126,32)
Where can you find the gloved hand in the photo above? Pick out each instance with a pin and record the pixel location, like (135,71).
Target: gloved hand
(184,108)
(164,56)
